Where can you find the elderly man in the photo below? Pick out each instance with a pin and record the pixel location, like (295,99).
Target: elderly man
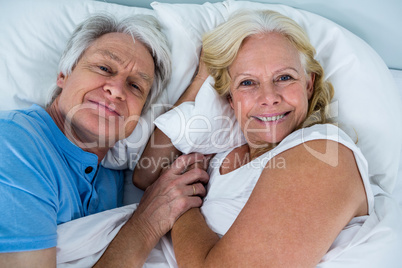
(51,174)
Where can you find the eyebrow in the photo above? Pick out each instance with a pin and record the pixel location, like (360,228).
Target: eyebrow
(110,55)
(146,77)
(275,72)
(286,68)
(114,57)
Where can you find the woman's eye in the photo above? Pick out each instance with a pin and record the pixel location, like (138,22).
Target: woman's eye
(285,78)
(246,83)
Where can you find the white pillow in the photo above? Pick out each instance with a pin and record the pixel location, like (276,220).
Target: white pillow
(207,125)
(33,37)
(366,96)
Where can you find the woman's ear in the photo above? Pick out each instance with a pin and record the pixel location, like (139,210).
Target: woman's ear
(229,98)
(310,85)
(61,79)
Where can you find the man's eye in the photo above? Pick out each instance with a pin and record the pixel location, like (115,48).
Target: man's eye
(103,68)
(135,86)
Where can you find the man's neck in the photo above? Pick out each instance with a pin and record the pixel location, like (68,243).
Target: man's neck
(59,119)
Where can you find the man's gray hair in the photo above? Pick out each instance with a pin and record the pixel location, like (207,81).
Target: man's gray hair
(144,28)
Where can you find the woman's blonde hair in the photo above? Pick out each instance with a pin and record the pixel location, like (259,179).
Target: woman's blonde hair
(221,45)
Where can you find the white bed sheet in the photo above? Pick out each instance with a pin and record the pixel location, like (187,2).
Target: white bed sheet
(81,242)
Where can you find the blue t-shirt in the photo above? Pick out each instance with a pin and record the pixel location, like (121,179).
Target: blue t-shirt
(46,180)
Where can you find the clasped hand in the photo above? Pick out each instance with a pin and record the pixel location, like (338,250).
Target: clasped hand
(179,188)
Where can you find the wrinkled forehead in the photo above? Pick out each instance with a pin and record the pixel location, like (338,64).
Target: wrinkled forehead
(269,51)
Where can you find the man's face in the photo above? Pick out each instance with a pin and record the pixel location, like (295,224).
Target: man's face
(102,98)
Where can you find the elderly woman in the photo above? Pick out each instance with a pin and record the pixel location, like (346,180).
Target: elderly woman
(256,212)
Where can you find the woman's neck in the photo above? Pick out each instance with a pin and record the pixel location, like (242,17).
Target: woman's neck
(260,150)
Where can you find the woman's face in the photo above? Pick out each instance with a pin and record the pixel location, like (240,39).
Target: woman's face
(269,88)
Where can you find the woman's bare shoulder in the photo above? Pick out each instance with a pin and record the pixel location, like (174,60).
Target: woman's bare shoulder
(296,210)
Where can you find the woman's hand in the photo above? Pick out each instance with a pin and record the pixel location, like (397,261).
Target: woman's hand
(201,72)
(200,75)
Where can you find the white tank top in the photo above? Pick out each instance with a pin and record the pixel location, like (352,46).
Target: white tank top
(227,194)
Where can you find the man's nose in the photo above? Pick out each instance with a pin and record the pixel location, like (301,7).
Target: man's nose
(116,88)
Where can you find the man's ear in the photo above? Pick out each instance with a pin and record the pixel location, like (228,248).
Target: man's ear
(310,85)
(61,79)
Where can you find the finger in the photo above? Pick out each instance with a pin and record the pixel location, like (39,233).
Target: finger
(165,168)
(200,165)
(194,192)
(197,189)
(193,176)
(204,164)
(181,164)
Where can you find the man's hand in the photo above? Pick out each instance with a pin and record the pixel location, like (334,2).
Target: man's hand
(178,189)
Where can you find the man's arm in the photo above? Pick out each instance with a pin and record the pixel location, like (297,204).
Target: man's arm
(162,204)
(38,258)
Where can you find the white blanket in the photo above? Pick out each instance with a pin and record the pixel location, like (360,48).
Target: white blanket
(81,242)
(371,242)
(374,242)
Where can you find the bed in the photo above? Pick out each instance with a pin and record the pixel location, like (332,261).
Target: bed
(353,41)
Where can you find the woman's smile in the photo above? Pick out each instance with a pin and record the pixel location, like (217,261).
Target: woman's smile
(271,118)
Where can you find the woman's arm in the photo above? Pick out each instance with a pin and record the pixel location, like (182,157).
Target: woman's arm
(158,155)
(291,218)
(160,152)
(192,226)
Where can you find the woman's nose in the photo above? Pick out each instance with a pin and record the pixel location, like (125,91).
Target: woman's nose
(268,94)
